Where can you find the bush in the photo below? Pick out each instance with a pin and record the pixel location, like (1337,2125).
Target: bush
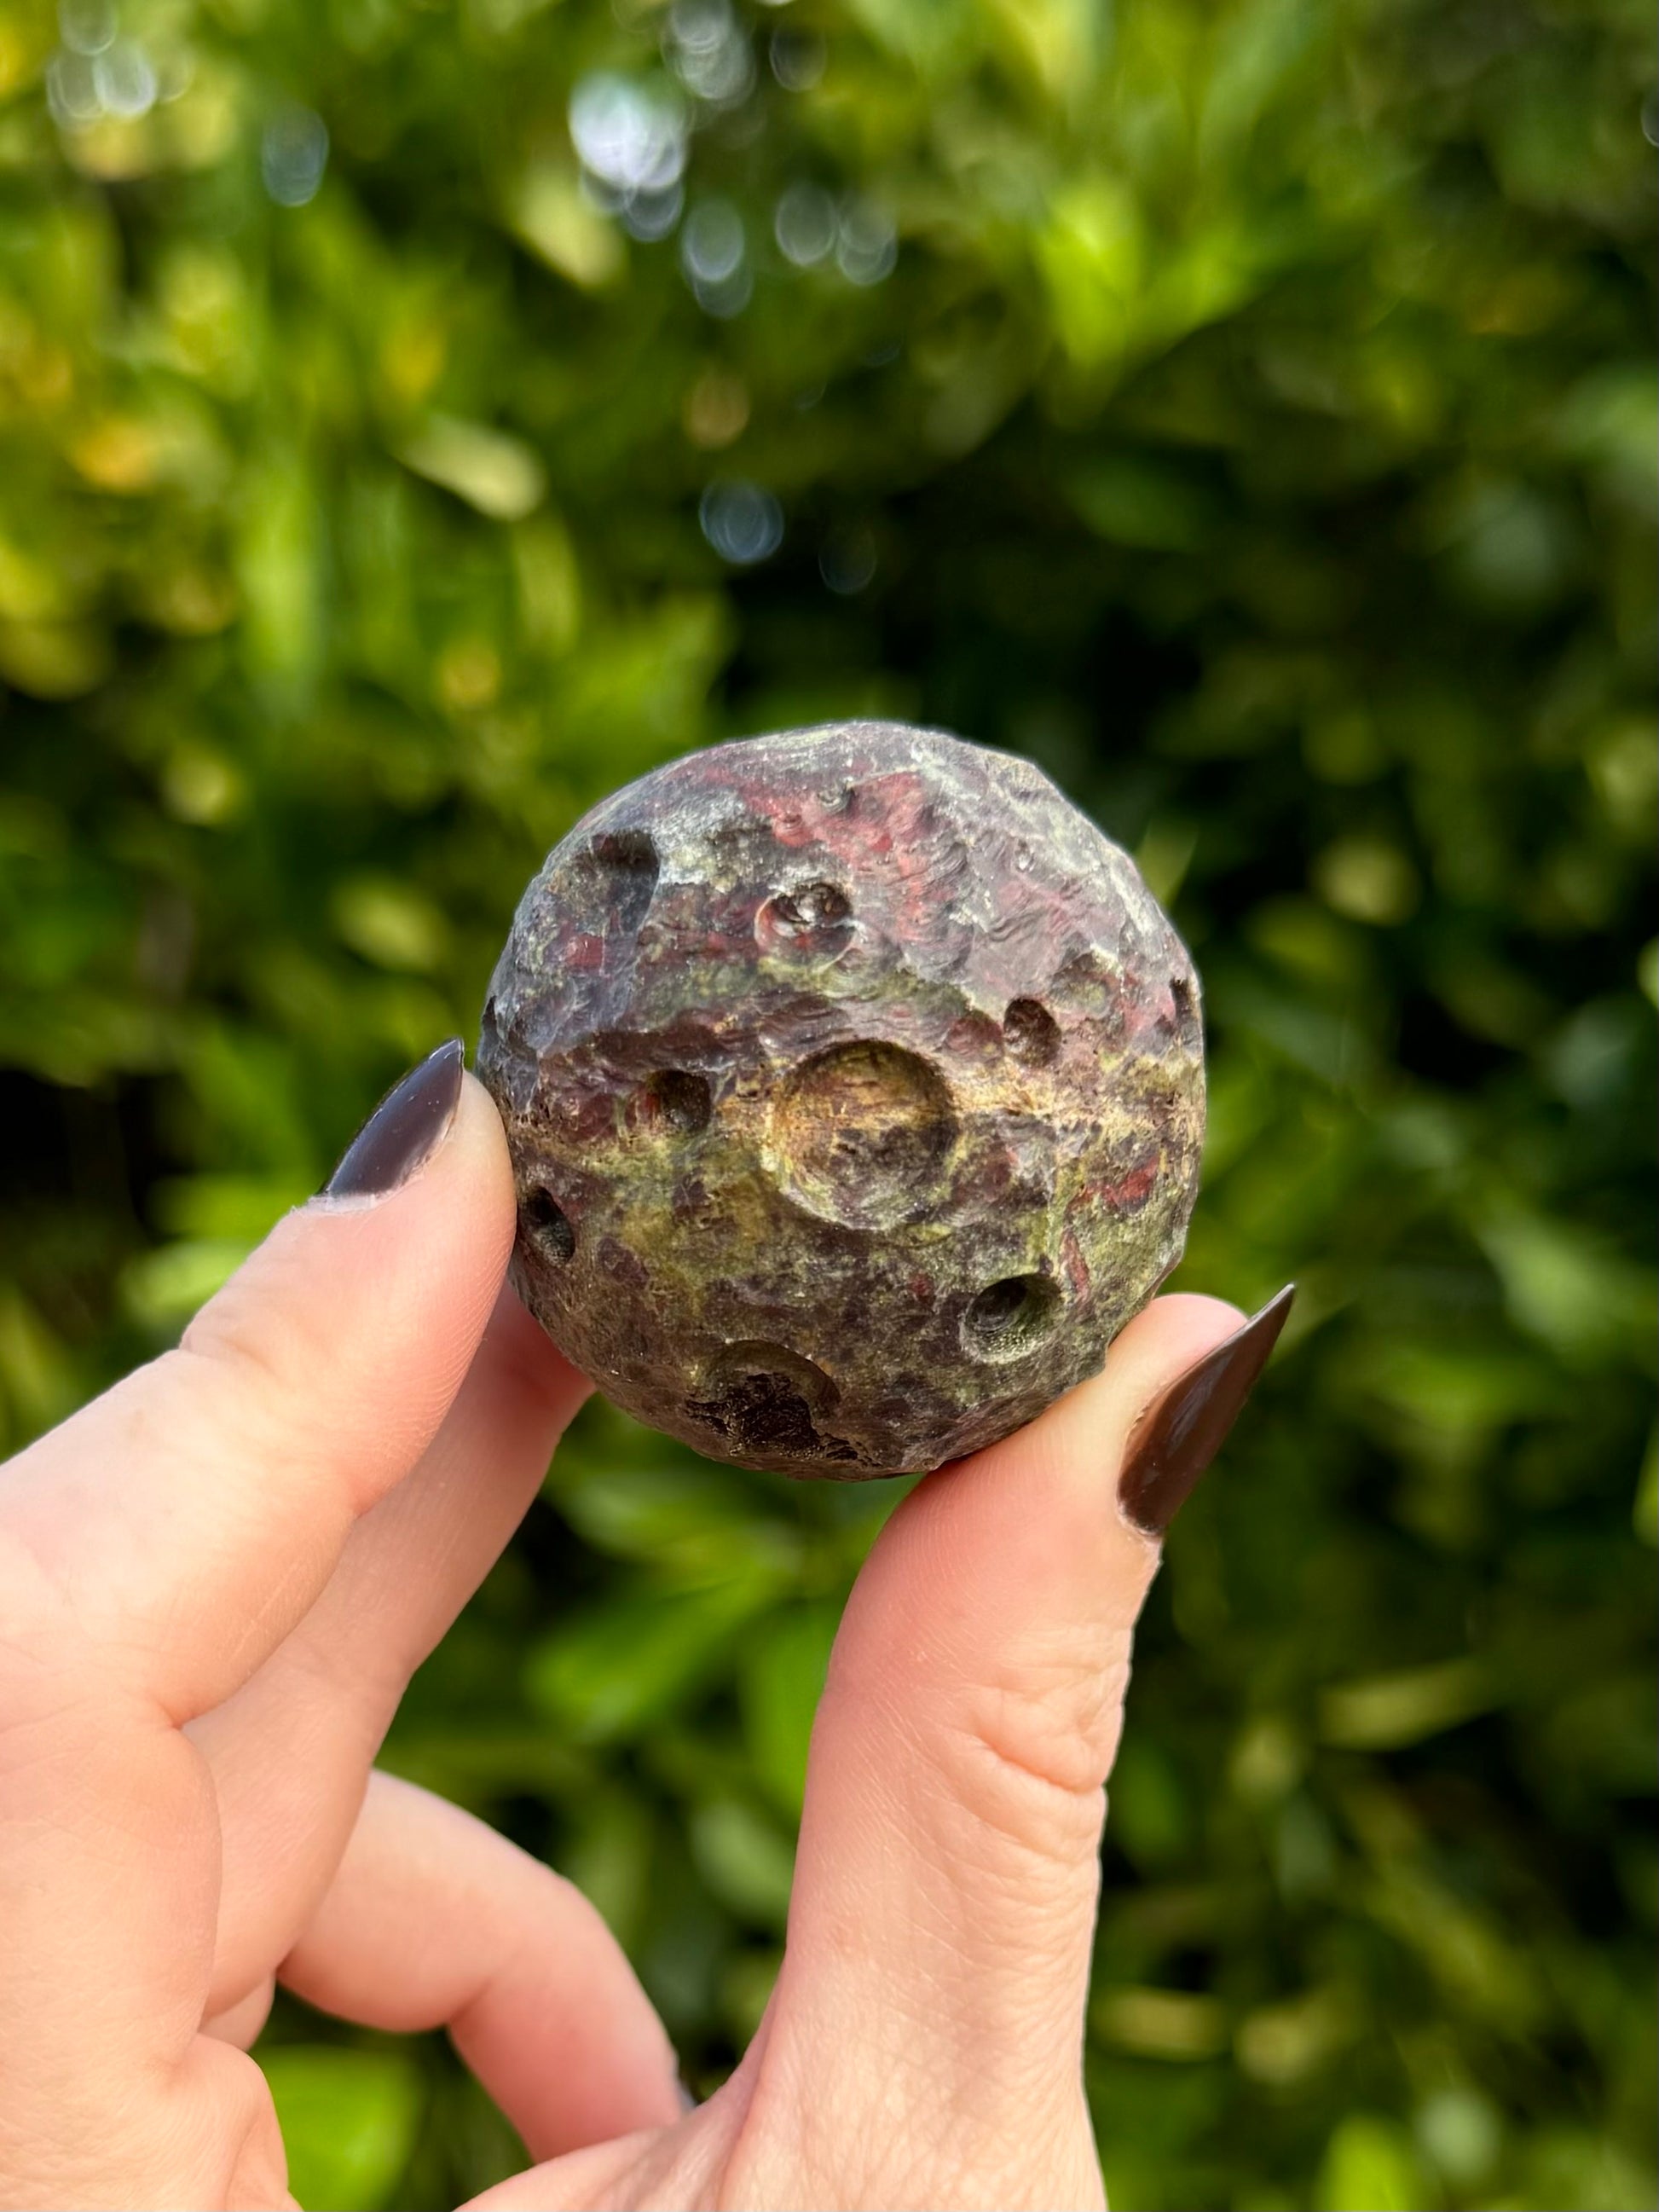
(1243,409)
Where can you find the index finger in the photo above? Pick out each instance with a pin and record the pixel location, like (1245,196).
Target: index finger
(181,1524)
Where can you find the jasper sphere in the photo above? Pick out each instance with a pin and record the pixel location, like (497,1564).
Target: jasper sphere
(853,1083)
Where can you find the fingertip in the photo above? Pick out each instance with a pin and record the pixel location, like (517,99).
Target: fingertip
(1160,1343)
(479,1129)
(1042,1504)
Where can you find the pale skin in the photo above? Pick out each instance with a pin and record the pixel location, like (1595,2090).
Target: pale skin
(216,1581)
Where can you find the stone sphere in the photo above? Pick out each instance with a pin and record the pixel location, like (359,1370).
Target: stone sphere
(853,1082)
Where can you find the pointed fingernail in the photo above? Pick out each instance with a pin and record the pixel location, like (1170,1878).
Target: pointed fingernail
(1182,1431)
(405,1128)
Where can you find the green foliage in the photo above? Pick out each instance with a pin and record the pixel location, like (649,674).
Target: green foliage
(348,2120)
(1245,409)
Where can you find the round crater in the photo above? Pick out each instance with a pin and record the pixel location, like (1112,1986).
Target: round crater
(1009,1319)
(1183,998)
(617,875)
(759,1398)
(861,1134)
(813,922)
(1031,1033)
(676,1102)
(547,1228)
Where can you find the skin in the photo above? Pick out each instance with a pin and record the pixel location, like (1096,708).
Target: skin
(214,1584)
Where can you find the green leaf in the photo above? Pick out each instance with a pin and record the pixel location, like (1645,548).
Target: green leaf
(610,1672)
(778,1685)
(1370,2165)
(348,2119)
(744,1859)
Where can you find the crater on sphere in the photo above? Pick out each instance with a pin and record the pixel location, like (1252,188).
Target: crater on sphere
(861,1134)
(544,1222)
(1010,1318)
(613,881)
(812,923)
(760,1398)
(1031,1033)
(678,1101)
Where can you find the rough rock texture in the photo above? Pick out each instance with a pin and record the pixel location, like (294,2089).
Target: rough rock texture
(854,1087)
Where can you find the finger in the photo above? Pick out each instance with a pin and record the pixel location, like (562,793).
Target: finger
(941,1930)
(243,2022)
(190,1517)
(291,1750)
(435,1920)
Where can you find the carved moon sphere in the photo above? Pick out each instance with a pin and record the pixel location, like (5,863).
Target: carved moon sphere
(854,1088)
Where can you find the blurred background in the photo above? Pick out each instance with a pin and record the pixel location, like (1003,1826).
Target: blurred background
(418,417)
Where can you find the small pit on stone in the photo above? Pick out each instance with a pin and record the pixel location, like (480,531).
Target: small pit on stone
(548,1227)
(815,920)
(1009,1319)
(621,866)
(1031,1033)
(679,1102)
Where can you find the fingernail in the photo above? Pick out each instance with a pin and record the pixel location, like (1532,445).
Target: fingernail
(405,1129)
(1182,1432)
(688,2102)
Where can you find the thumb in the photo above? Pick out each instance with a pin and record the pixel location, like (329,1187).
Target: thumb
(946,1889)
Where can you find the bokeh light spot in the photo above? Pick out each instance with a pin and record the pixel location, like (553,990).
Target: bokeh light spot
(629,132)
(797,60)
(804,225)
(292,155)
(86,26)
(708,50)
(713,256)
(741,520)
(124,79)
(867,246)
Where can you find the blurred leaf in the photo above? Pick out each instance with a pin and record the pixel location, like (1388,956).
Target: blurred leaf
(497,474)
(389,924)
(1370,2165)
(163,1289)
(1391,1710)
(744,1859)
(1170,2024)
(780,1682)
(694,1524)
(1576,1294)
(608,1673)
(348,2120)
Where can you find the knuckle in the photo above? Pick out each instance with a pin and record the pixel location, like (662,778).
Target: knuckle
(37,1631)
(1032,1750)
(49,1674)
(228,1342)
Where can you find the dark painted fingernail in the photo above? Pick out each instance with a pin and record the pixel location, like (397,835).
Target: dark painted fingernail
(1182,1432)
(405,1128)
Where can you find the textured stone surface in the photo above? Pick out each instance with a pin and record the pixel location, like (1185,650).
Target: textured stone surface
(854,1087)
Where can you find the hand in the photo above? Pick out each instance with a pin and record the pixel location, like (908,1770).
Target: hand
(215,1585)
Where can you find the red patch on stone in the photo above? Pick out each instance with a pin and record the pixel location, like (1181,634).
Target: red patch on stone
(1133,1190)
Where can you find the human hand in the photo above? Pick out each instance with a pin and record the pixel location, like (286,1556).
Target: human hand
(215,1585)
